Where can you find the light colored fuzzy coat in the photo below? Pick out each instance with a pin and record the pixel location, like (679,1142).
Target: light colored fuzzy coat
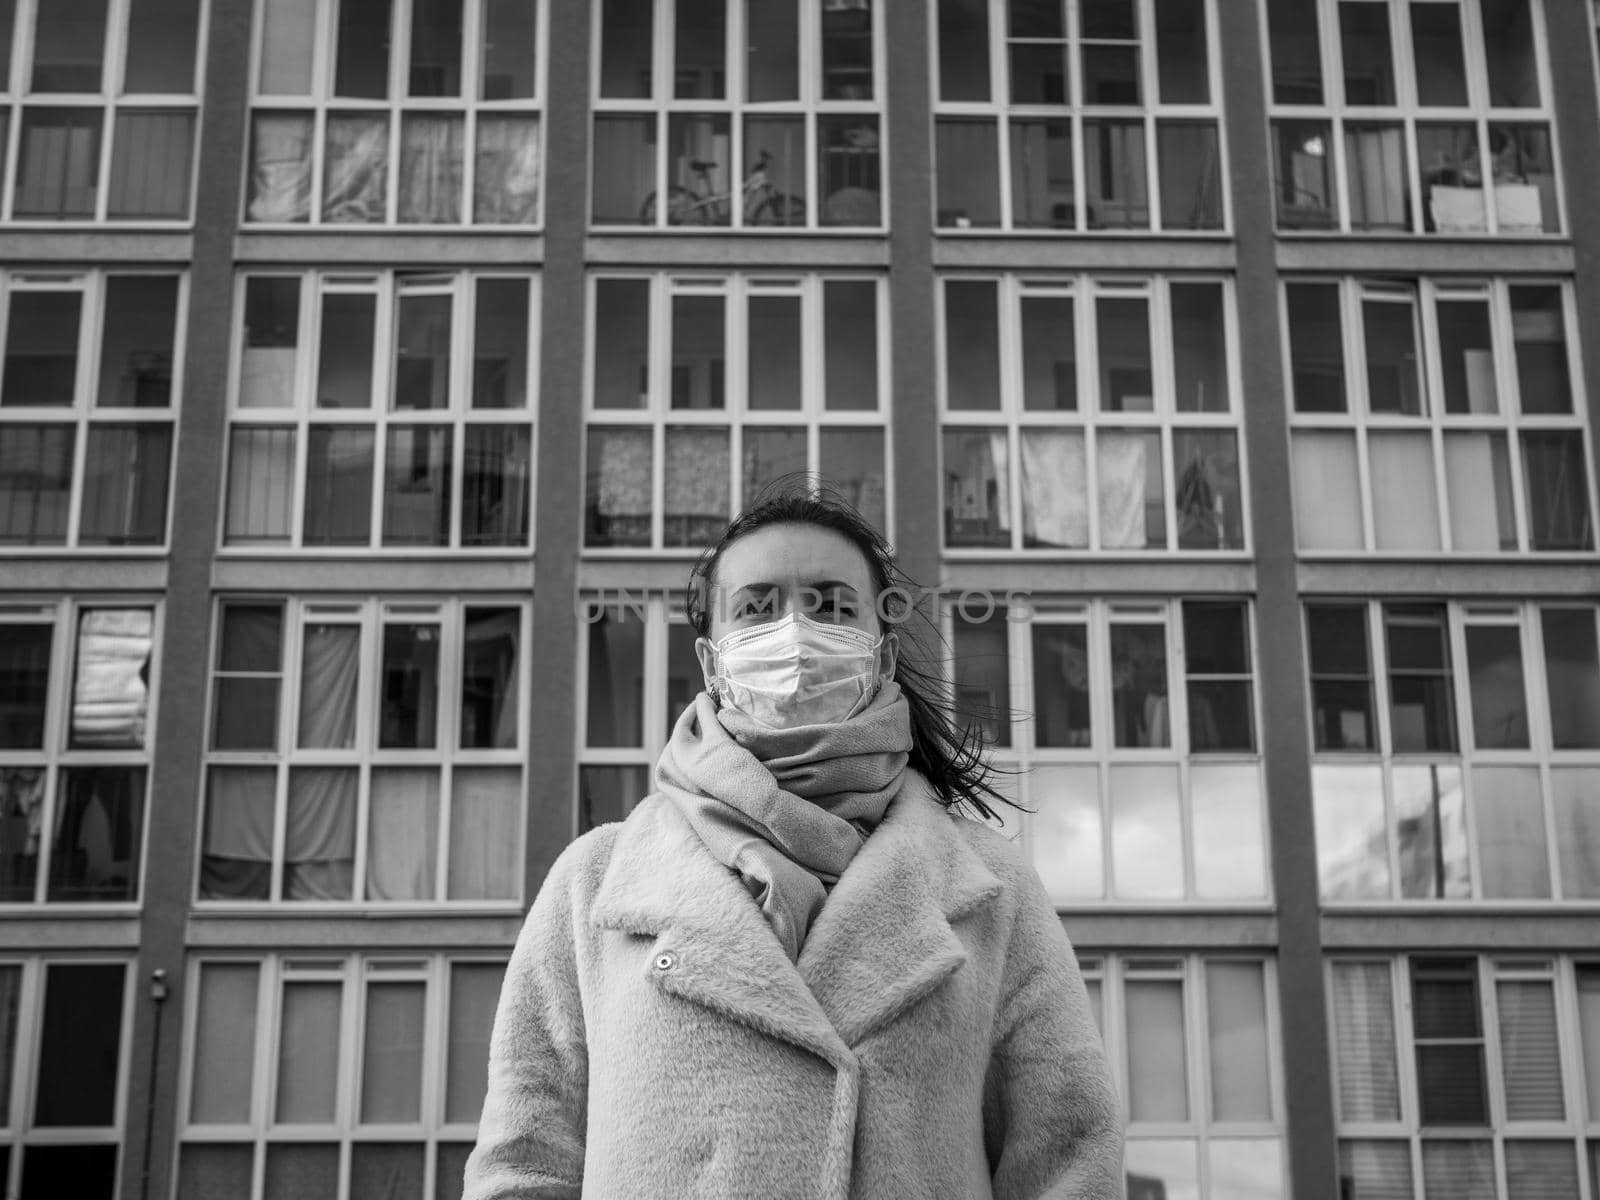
(933,1040)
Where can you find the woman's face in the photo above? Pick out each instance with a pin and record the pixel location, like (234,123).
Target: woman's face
(783,569)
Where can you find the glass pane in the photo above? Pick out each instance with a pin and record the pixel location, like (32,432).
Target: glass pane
(1296,52)
(474,992)
(125,485)
(8,19)
(1146,833)
(972,345)
(1524,179)
(393,1171)
(967,154)
(251,641)
(771,455)
(1065,834)
(24,683)
(1042,174)
(1405,505)
(1541,1170)
(1236,1012)
(1572,676)
(1509,53)
(494,503)
(338,496)
(80,1045)
(356,172)
(1430,822)
(58,163)
(391,1058)
(1588,978)
(1133,513)
(1115,184)
(1139,685)
(1575,793)
(409,704)
(111,692)
(851,462)
(214,1169)
(695,503)
(485,833)
(1478,481)
(1164,1168)
(1364,1042)
(35,483)
(1436,47)
(699,352)
(224,1044)
(1038,68)
(775,171)
(618,488)
(850,345)
(1061,685)
(161,42)
(288,47)
(1508,816)
(1110,74)
(685,680)
(624,166)
(435,48)
(416,486)
(1352,832)
(1248,1168)
(1049,354)
(964,49)
(1302,175)
(1452,178)
(489,682)
(1368,59)
(1191,175)
(1158,1080)
(700,50)
(509,58)
(1375,164)
(1199,348)
(41,368)
(136,346)
(260,485)
(1539,331)
(500,344)
(308,1054)
(622,327)
(236,862)
(616,679)
(772,52)
(1555,479)
(1499,700)
(70,1170)
(1394,382)
(99,835)
(609,793)
(1458,1171)
(1055,492)
(1230,859)
(344,378)
(847,51)
(1210,506)
(362,66)
(849,170)
(1466,350)
(150,162)
(280,167)
(450,1169)
(774,352)
(429,188)
(1530,1052)
(625,40)
(699,170)
(301,1172)
(977,501)
(69,46)
(982,665)
(330,668)
(1419,678)
(1316,347)
(1181,57)
(1123,336)
(320,839)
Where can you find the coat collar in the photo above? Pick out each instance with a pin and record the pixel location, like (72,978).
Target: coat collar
(881,943)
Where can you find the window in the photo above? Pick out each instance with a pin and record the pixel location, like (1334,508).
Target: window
(396,112)
(703,390)
(1077,116)
(1138,749)
(390,410)
(1193,1043)
(76,707)
(1091,414)
(88,400)
(1425,117)
(99,109)
(333,1075)
(728,114)
(64,1027)
(1457,750)
(367,751)
(1453,1075)
(640,673)
(1435,415)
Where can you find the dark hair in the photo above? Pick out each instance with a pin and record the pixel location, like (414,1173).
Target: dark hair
(946,746)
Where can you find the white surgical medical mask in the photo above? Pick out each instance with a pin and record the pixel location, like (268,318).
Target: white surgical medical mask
(796,671)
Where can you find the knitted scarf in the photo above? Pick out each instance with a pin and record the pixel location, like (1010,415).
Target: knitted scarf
(786,809)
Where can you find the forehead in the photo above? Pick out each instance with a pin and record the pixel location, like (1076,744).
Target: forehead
(792,555)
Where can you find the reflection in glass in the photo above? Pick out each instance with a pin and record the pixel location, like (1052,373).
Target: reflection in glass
(972,344)
(851,460)
(615,679)
(1061,685)
(609,793)
(1165,1168)
(1139,685)
(1352,832)
(1066,833)
(1431,828)
(1146,833)
(1508,827)
(1229,841)
(1247,1168)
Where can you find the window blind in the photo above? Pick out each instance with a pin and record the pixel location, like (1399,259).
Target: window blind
(1363,1019)
(1530,1051)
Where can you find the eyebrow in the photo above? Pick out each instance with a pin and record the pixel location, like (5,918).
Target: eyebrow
(818,585)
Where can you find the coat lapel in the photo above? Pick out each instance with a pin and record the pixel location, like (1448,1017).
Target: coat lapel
(883,941)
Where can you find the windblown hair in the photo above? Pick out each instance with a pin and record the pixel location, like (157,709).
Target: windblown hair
(947,745)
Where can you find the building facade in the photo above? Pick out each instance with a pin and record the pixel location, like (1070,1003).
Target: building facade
(374,370)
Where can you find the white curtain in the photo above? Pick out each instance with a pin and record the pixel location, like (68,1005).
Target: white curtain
(1476,483)
(237,862)
(1577,811)
(403,834)
(1376,162)
(1055,489)
(1327,498)
(1364,1042)
(320,844)
(507,171)
(1237,1019)
(391,1058)
(485,841)
(431,169)
(1121,460)
(330,671)
(260,483)
(110,700)
(280,168)
(1158,1088)
(356,169)
(1405,508)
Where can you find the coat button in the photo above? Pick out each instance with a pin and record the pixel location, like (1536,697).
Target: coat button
(666,960)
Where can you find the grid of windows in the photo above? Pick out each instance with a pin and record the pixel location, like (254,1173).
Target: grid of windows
(396,112)
(704,389)
(100,100)
(1431,116)
(76,685)
(1436,415)
(1465,1076)
(1077,116)
(725,114)
(381,410)
(639,674)
(64,1025)
(1476,775)
(1133,742)
(343,1077)
(1193,1043)
(1091,414)
(88,399)
(368,751)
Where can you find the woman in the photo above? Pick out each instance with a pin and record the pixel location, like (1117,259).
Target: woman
(795,970)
